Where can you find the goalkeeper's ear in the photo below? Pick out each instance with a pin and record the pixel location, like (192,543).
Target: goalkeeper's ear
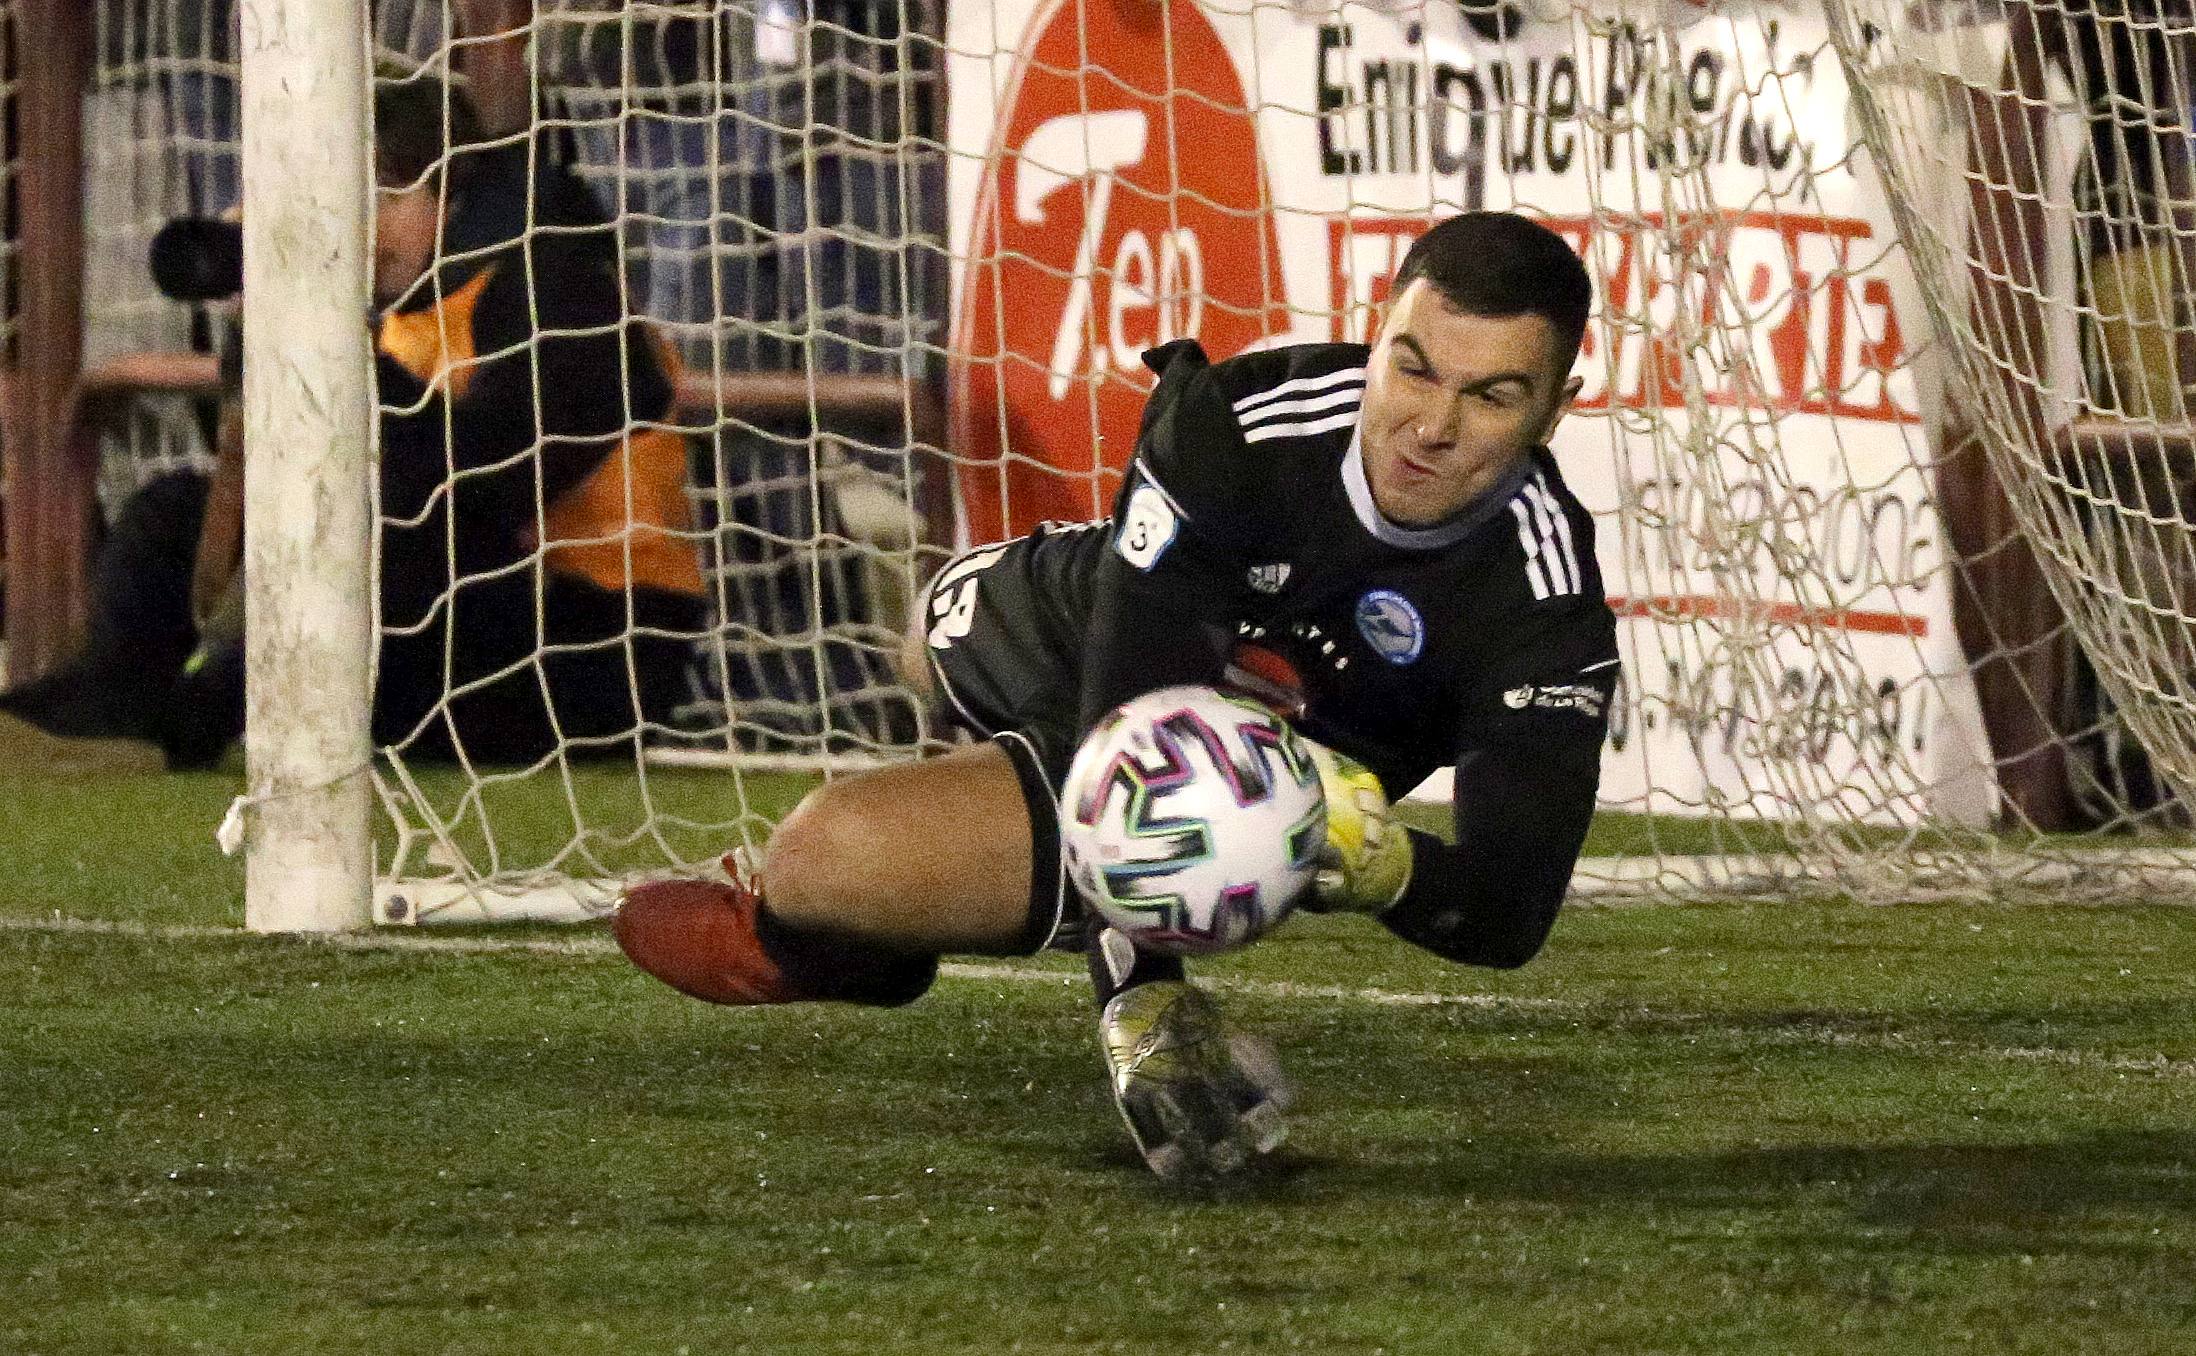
(1565,395)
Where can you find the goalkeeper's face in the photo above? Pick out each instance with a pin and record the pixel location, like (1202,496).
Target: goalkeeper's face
(406,223)
(1452,400)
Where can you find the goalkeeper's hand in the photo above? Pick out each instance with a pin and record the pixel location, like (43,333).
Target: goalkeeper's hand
(1366,861)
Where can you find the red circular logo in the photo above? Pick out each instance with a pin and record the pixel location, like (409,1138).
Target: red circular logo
(1123,206)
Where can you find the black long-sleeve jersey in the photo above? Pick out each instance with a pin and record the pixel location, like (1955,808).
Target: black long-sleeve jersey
(1245,546)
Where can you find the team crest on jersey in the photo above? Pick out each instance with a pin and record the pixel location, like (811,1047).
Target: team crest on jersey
(1270,578)
(1391,625)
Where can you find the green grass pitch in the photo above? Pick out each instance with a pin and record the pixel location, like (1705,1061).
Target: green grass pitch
(1715,1129)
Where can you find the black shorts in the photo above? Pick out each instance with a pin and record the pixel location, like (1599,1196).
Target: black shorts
(1006,671)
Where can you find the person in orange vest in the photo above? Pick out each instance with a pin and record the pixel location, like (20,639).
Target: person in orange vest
(540,578)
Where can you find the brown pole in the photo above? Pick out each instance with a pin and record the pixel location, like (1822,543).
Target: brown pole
(2008,621)
(49,506)
(503,90)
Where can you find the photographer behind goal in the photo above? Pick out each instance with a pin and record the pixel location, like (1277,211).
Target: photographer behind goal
(536,584)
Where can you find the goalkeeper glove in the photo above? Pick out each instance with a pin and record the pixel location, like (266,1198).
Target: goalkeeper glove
(1365,864)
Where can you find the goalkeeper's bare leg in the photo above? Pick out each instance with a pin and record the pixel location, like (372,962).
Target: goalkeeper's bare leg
(864,886)
(874,876)
(955,854)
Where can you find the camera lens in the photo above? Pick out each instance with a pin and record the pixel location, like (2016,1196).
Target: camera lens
(198,259)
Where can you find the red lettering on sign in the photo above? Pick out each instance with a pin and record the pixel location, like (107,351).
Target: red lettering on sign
(1793,318)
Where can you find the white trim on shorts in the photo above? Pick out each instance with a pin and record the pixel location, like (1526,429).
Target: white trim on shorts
(1059,850)
(945,685)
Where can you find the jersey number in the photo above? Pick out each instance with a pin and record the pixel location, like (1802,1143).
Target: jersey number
(954,611)
(1148,525)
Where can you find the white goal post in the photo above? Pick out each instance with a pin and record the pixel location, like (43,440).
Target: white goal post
(308,416)
(1885,427)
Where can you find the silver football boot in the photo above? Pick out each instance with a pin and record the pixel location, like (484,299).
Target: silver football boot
(1198,1100)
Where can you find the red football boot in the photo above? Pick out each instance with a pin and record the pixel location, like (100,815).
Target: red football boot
(707,939)
(698,936)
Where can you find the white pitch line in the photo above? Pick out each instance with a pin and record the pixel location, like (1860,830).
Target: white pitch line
(593,945)
(596,944)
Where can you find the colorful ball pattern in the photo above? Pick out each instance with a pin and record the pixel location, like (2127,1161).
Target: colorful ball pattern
(1192,819)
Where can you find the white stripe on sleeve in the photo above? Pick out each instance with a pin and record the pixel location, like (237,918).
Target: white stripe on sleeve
(1333,400)
(1264,432)
(1529,538)
(1348,376)
(1562,572)
(1563,531)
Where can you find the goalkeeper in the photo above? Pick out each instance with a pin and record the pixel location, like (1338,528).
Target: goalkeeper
(1374,540)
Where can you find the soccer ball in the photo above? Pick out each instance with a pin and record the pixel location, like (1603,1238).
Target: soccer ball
(1192,819)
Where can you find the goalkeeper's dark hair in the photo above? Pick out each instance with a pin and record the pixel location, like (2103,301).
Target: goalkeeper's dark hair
(1502,264)
(419,121)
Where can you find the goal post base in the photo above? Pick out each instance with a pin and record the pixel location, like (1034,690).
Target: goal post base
(415,903)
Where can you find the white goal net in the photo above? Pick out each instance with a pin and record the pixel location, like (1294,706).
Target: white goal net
(1883,423)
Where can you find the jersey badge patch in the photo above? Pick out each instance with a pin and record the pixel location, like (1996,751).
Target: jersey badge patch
(1270,578)
(1391,625)
(1148,527)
